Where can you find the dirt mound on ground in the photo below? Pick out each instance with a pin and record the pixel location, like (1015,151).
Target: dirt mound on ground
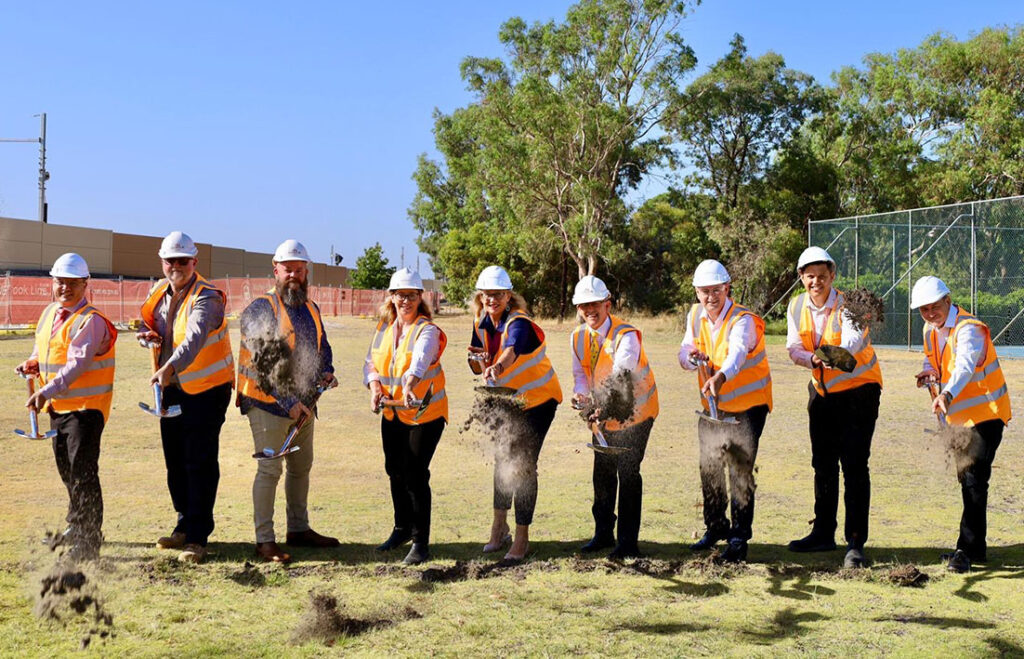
(907,576)
(325,621)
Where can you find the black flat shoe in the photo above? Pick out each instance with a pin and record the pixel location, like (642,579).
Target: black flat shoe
(397,538)
(735,551)
(597,543)
(958,562)
(417,554)
(813,543)
(855,558)
(708,541)
(621,553)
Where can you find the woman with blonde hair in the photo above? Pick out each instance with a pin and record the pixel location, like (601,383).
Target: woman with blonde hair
(402,365)
(509,350)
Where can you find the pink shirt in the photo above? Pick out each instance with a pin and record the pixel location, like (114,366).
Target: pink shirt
(92,338)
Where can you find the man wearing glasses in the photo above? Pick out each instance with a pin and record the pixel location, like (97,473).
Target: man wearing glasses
(727,340)
(185,327)
(74,359)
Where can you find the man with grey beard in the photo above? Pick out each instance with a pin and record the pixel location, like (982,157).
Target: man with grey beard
(283,359)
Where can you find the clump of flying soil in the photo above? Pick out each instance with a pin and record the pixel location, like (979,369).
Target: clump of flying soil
(963,448)
(66,590)
(291,373)
(614,400)
(501,418)
(863,308)
(724,448)
(326,622)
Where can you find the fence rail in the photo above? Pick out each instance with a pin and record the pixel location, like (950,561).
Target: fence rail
(977,248)
(22,299)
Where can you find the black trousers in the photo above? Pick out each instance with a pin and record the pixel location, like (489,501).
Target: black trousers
(76,449)
(515,463)
(191,442)
(732,449)
(407,454)
(841,426)
(620,473)
(985,439)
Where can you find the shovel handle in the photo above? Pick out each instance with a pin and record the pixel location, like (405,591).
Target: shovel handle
(706,372)
(933,393)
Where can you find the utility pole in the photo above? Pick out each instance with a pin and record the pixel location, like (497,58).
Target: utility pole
(44,175)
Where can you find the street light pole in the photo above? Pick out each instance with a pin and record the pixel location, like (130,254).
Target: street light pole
(43,174)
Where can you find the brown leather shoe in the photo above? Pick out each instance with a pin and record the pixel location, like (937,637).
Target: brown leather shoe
(310,538)
(192,553)
(175,540)
(270,552)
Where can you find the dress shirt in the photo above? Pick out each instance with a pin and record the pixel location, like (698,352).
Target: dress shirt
(970,342)
(627,355)
(742,339)
(92,338)
(851,338)
(424,353)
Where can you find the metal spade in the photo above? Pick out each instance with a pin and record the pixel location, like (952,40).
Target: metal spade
(33,416)
(158,392)
(293,430)
(420,405)
(713,415)
(602,445)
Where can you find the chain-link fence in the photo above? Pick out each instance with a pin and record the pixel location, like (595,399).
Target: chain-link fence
(977,248)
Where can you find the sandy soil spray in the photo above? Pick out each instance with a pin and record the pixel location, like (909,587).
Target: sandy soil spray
(279,368)
(501,419)
(863,308)
(326,621)
(66,592)
(723,447)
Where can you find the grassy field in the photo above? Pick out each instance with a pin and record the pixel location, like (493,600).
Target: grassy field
(555,604)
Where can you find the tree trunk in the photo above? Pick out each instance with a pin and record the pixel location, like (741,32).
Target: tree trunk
(562,288)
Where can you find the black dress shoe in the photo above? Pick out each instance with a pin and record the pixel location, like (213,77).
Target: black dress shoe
(622,553)
(958,562)
(417,554)
(812,543)
(855,558)
(708,540)
(735,551)
(597,543)
(397,538)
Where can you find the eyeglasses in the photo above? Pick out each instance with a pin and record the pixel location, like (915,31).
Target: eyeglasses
(710,291)
(406,297)
(180,260)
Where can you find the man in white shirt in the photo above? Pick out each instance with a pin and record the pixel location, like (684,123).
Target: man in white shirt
(730,340)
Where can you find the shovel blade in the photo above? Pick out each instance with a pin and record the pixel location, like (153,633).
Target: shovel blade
(727,420)
(173,410)
(609,450)
(424,403)
(49,434)
(276,456)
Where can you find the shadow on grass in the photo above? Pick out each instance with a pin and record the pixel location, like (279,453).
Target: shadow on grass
(938,622)
(787,623)
(1004,648)
(665,628)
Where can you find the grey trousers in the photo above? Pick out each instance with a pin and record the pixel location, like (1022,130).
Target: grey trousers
(268,431)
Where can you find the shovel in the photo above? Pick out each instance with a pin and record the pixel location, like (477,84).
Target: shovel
(33,416)
(602,445)
(158,392)
(293,430)
(420,405)
(713,415)
(933,392)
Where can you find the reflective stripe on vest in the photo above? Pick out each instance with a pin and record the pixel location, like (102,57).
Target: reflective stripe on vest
(645,391)
(214,365)
(867,369)
(531,375)
(392,363)
(749,387)
(93,389)
(984,397)
(247,378)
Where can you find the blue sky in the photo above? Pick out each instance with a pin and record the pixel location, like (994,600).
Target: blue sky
(247,123)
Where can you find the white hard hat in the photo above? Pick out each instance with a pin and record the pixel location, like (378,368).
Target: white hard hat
(927,290)
(813,254)
(405,278)
(177,245)
(590,289)
(710,273)
(70,265)
(493,278)
(291,250)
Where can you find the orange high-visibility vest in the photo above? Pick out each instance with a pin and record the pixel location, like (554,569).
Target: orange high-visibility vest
(984,397)
(645,391)
(93,389)
(247,382)
(751,386)
(392,363)
(867,369)
(531,375)
(214,365)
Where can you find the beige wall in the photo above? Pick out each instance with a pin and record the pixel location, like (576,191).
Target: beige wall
(32,245)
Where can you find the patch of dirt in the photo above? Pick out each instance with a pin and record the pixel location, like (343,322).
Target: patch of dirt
(473,570)
(863,308)
(325,621)
(906,576)
(249,575)
(66,590)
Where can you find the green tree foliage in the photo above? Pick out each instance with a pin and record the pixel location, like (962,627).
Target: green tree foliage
(372,270)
